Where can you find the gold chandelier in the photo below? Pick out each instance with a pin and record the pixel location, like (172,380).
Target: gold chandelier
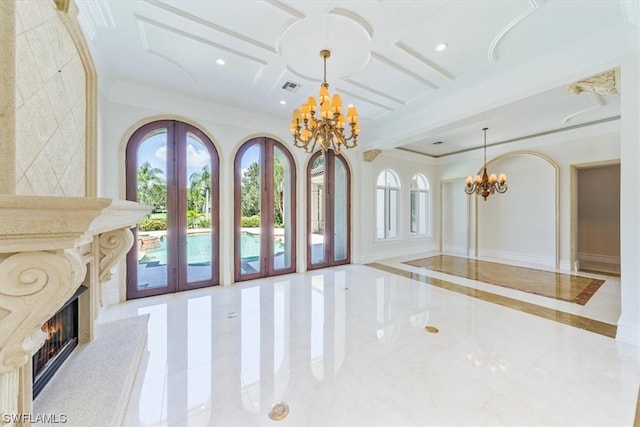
(486,185)
(328,129)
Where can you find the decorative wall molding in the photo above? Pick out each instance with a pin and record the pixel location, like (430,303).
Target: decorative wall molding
(370,156)
(33,286)
(196,38)
(114,245)
(533,6)
(375,92)
(432,65)
(597,103)
(606,83)
(338,11)
(199,20)
(392,64)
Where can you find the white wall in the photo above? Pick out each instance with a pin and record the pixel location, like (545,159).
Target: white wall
(405,165)
(520,224)
(591,144)
(629,322)
(455,213)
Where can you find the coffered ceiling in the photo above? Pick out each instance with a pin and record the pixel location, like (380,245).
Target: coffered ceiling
(506,65)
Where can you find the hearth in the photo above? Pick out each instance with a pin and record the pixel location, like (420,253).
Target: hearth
(62,330)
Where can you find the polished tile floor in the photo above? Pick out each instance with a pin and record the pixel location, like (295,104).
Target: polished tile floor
(567,287)
(348,347)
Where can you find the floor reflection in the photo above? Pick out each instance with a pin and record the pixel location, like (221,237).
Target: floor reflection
(351,339)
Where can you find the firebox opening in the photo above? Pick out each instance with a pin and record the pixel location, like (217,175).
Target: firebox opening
(62,339)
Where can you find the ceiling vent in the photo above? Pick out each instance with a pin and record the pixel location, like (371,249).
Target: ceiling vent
(291,86)
(438,142)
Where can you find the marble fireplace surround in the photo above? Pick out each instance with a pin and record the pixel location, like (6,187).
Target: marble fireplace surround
(49,246)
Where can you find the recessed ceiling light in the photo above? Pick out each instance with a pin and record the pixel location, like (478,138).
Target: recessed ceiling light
(441,47)
(283,102)
(220,61)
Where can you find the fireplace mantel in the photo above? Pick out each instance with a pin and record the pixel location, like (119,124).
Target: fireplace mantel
(33,223)
(48,247)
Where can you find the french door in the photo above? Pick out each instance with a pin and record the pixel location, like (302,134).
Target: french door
(329,211)
(173,166)
(265,206)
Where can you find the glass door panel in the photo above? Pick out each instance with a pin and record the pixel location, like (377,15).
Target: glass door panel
(340,211)
(264,210)
(199,238)
(282,216)
(393,213)
(153,243)
(328,195)
(251,210)
(317,210)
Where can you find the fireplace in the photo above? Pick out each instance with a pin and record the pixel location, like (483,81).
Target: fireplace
(62,339)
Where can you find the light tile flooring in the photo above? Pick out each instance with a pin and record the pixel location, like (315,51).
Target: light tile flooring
(347,346)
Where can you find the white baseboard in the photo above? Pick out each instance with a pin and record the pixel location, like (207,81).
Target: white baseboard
(599,258)
(519,258)
(455,250)
(384,250)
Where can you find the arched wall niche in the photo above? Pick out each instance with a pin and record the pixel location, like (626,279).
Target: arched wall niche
(521,225)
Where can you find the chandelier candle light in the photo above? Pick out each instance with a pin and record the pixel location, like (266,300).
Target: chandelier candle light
(486,185)
(328,129)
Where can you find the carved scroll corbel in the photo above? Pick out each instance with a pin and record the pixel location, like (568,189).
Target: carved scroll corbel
(114,245)
(370,156)
(602,84)
(33,286)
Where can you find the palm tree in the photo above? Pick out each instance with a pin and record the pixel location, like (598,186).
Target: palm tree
(200,189)
(278,191)
(151,186)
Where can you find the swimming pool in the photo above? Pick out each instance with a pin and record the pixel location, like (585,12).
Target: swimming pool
(199,249)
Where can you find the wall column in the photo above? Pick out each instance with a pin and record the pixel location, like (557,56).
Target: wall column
(629,322)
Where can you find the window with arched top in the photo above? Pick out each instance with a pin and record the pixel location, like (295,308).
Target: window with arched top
(265,207)
(419,206)
(173,166)
(387,192)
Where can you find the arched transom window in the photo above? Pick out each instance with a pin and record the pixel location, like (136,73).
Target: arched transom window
(387,192)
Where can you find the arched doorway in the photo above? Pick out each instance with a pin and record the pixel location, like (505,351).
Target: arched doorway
(265,206)
(173,166)
(328,210)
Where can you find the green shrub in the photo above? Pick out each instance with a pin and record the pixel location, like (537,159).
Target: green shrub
(250,221)
(153,224)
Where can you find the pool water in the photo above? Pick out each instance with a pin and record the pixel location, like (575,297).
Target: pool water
(199,249)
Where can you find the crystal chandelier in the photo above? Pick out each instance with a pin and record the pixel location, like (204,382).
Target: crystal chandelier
(486,185)
(328,129)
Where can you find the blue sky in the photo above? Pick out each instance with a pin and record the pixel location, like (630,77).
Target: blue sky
(154,151)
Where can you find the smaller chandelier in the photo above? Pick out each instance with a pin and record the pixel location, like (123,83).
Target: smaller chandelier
(486,185)
(328,129)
